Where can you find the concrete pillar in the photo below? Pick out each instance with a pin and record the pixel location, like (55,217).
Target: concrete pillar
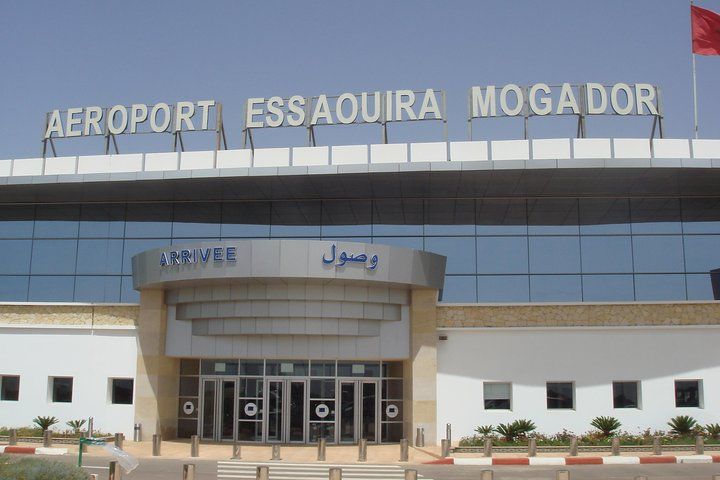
(157,376)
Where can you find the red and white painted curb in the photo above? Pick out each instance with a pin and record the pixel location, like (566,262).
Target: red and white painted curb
(630,460)
(33,450)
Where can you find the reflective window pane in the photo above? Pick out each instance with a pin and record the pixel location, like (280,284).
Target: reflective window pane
(503,288)
(56,221)
(702,253)
(555,288)
(13,288)
(97,289)
(608,288)
(449,217)
(15,256)
(127,293)
(149,220)
(502,255)
(133,247)
(405,242)
(17,222)
(344,218)
(606,254)
(655,215)
(295,219)
(196,220)
(626,395)
(102,221)
(552,216)
(398,217)
(99,256)
(460,252)
(54,256)
(660,287)
(245,219)
(658,253)
(604,216)
(501,217)
(701,215)
(51,289)
(554,254)
(459,289)
(560,395)
(700,286)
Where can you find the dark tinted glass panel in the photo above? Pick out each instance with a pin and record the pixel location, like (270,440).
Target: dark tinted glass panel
(449,217)
(189,387)
(17,222)
(250,219)
(554,254)
(62,389)
(133,247)
(97,289)
(406,242)
(501,217)
(701,215)
(122,391)
(10,388)
(295,219)
(459,289)
(344,218)
(606,254)
(608,288)
(460,252)
(219,367)
(15,256)
(251,368)
(658,253)
(102,221)
(148,220)
(322,369)
(687,393)
(604,216)
(660,287)
(350,369)
(57,221)
(51,289)
(398,217)
(54,256)
(655,215)
(552,216)
(127,293)
(555,288)
(99,256)
(502,255)
(702,253)
(625,395)
(13,288)
(189,366)
(196,220)
(560,395)
(700,286)
(503,288)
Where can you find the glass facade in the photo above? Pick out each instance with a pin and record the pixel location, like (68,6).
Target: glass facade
(498,250)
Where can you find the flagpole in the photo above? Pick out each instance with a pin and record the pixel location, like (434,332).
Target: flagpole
(695,110)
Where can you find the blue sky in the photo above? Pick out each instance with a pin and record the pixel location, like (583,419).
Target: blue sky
(82,53)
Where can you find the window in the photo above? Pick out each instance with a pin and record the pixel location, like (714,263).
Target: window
(688,393)
(560,395)
(121,391)
(62,389)
(497,396)
(9,388)
(626,395)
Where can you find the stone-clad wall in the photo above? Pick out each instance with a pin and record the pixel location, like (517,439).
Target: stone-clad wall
(579,315)
(69,315)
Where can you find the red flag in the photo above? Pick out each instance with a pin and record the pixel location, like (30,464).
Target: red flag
(705,31)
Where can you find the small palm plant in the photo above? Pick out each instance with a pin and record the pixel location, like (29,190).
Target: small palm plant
(76,425)
(45,422)
(606,425)
(713,430)
(485,430)
(515,430)
(682,425)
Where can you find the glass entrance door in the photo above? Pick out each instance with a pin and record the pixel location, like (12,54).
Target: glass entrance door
(286,411)
(358,411)
(218,409)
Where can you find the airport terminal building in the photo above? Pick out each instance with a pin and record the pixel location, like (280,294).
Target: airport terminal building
(363,291)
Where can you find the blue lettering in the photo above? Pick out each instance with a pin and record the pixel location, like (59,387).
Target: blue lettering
(231,253)
(204,255)
(217,254)
(185,256)
(174,258)
(163,259)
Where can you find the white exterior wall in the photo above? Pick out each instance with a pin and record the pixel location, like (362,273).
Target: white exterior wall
(90,356)
(592,358)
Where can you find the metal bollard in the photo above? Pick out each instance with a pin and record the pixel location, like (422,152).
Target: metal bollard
(13,437)
(448,433)
(83,445)
(322,446)
(657,446)
(615,447)
(236,451)
(410,474)
(262,473)
(157,443)
(194,446)
(445,448)
(189,471)
(562,475)
(404,450)
(276,452)
(335,474)
(487,448)
(532,447)
(47,438)
(486,475)
(119,437)
(90,426)
(574,447)
(420,437)
(137,433)
(699,445)
(362,450)
(114,473)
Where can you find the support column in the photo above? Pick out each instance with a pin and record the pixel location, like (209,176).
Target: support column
(421,370)
(158,376)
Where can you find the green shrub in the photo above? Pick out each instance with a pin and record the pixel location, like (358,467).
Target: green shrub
(76,425)
(682,425)
(485,430)
(606,425)
(37,469)
(512,431)
(45,422)
(712,430)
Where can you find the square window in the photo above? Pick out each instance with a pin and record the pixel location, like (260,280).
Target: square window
(560,395)
(497,395)
(9,388)
(121,391)
(626,394)
(688,393)
(62,389)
